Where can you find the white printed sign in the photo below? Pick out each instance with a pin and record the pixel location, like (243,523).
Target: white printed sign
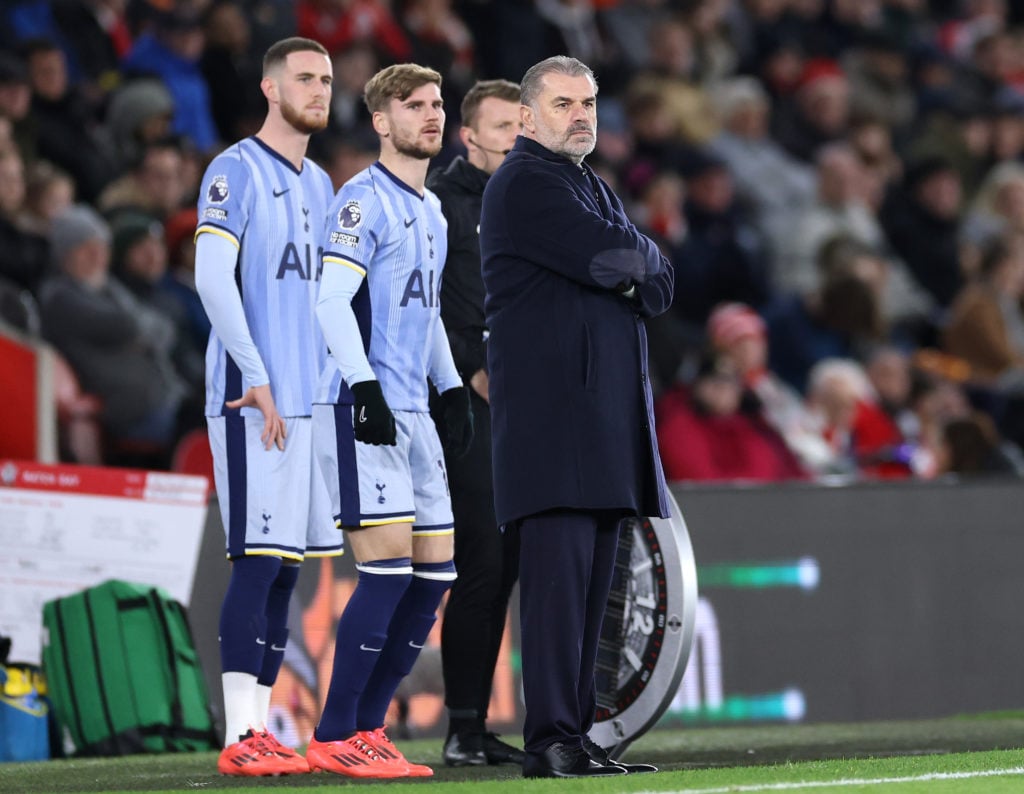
(66,528)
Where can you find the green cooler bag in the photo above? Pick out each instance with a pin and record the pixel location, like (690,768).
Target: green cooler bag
(123,672)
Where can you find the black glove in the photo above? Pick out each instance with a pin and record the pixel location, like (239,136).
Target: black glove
(372,420)
(454,421)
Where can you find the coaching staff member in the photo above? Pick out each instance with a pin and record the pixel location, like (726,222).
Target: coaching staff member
(487,559)
(569,281)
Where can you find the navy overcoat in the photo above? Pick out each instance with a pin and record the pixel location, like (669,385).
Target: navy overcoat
(571,409)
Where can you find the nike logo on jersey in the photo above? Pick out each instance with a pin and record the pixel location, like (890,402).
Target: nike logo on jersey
(414,645)
(410,222)
(279,193)
(260,642)
(277,648)
(362,414)
(363,647)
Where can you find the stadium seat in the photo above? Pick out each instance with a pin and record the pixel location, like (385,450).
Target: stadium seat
(192,455)
(78,426)
(81,435)
(18,308)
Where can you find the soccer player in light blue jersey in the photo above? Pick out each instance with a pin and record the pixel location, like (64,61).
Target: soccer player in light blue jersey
(384,249)
(261,218)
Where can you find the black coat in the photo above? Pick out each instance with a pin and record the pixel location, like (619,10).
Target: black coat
(929,244)
(571,408)
(461,189)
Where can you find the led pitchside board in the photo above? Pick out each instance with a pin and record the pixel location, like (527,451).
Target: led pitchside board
(648,628)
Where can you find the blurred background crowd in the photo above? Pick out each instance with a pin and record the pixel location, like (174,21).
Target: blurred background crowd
(839,184)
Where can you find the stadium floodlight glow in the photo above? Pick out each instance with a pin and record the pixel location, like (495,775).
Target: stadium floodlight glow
(648,628)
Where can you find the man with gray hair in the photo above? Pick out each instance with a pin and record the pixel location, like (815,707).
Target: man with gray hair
(775,184)
(569,282)
(119,348)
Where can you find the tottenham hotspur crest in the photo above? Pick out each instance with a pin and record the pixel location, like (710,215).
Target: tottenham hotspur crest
(218,190)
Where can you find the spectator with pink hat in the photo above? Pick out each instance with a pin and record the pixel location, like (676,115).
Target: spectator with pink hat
(818,112)
(737,333)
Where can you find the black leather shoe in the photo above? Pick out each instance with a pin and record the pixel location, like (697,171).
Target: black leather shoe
(499,752)
(561,760)
(464,749)
(601,756)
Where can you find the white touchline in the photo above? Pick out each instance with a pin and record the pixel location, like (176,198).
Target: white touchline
(876,781)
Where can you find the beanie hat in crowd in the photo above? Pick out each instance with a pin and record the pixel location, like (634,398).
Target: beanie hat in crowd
(127,229)
(181,226)
(817,69)
(134,103)
(924,168)
(730,322)
(74,226)
(13,70)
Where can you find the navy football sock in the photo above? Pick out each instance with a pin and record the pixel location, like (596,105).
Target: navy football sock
(243,620)
(414,617)
(361,636)
(278,599)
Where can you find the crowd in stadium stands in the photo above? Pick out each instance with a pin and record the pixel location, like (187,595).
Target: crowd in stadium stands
(839,183)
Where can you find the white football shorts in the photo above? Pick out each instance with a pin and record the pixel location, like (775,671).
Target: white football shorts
(372,485)
(273,502)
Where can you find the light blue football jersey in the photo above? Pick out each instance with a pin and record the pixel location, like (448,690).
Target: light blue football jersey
(380,226)
(275,214)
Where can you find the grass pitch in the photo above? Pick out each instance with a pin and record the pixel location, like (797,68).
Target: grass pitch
(977,754)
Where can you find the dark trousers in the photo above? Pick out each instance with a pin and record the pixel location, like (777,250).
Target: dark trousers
(487,561)
(567,559)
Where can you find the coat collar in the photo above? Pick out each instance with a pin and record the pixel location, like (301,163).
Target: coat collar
(465,174)
(532,147)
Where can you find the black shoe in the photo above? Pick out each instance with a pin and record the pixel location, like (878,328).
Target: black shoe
(464,749)
(499,752)
(561,760)
(601,756)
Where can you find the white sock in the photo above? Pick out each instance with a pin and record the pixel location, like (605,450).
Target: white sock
(262,700)
(239,705)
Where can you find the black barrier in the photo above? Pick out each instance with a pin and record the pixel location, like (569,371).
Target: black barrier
(856,603)
(880,601)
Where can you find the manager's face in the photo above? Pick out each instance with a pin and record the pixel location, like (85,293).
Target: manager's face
(563,118)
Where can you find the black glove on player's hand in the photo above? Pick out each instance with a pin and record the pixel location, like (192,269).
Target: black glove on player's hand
(455,421)
(372,420)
